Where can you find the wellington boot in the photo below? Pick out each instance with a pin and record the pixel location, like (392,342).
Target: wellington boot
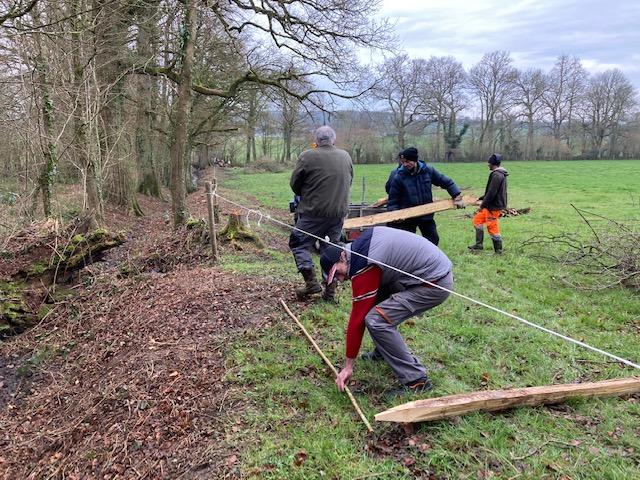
(479,240)
(311,285)
(329,294)
(497,245)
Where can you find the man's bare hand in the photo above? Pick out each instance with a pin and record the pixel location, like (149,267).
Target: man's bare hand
(459,202)
(345,374)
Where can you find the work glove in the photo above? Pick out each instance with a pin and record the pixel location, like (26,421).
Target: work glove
(459,202)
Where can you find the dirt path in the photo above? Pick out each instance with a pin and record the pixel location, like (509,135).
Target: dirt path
(127,378)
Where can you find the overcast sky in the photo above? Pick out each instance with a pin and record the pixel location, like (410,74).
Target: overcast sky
(603,34)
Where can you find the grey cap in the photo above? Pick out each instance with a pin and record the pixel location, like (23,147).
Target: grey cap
(325,136)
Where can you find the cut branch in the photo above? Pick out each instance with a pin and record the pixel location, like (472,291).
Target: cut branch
(329,364)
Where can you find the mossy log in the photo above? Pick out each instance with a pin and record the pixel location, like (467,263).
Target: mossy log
(237,230)
(81,250)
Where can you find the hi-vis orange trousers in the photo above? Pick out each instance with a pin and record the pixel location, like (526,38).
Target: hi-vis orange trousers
(490,218)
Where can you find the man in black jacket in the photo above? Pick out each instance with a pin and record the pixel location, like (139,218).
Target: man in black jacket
(492,203)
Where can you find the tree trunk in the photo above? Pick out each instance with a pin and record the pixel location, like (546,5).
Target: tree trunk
(401,137)
(237,229)
(110,40)
(251,128)
(530,153)
(191,184)
(147,98)
(49,169)
(93,207)
(122,188)
(286,142)
(182,112)
(438,141)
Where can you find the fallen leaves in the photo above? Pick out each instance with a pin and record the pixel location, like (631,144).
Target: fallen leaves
(299,458)
(408,461)
(143,388)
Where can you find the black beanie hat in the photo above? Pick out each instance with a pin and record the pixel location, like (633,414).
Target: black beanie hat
(495,159)
(329,258)
(410,153)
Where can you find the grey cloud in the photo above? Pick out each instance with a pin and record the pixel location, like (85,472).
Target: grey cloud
(605,33)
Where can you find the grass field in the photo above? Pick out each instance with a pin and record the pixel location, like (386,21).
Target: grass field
(302,427)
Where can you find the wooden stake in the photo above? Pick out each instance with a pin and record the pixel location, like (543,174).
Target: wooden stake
(328,362)
(493,400)
(216,207)
(405,213)
(212,225)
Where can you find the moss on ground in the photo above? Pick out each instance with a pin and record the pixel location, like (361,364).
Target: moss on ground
(14,313)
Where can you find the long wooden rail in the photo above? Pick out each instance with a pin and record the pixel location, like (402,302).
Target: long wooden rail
(493,400)
(379,218)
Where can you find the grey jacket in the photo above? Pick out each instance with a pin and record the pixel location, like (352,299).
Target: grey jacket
(322,177)
(403,250)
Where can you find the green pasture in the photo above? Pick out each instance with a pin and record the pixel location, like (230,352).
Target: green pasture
(297,425)
(301,427)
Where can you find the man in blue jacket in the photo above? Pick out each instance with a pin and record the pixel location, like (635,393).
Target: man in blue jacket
(411,186)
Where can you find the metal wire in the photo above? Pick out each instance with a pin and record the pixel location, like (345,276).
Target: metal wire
(434,285)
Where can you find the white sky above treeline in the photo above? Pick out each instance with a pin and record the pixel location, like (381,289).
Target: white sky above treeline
(603,34)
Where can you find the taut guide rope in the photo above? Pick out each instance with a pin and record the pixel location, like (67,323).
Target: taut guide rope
(261,216)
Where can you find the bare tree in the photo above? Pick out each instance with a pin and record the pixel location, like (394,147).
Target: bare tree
(48,140)
(87,159)
(291,119)
(267,124)
(252,118)
(492,82)
(181,113)
(112,22)
(530,87)
(442,90)
(147,13)
(317,35)
(564,86)
(400,90)
(608,98)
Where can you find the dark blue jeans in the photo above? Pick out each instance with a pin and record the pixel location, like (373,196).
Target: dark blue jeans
(427,227)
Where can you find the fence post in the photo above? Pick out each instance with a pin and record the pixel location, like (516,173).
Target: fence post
(212,225)
(216,207)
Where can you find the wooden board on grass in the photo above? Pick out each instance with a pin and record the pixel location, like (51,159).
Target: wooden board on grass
(379,218)
(493,400)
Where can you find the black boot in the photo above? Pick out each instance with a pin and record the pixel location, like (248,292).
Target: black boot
(479,240)
(329,294)
(311,285)
(497,245)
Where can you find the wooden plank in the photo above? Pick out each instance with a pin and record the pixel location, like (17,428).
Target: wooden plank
(378,218)
(493,400)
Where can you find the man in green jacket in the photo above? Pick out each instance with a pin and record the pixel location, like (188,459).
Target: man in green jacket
(322,178)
